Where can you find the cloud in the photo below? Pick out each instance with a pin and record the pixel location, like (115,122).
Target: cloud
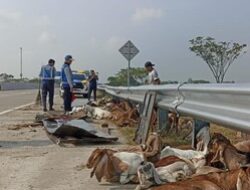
(9,16)
(46,38)
(144,14)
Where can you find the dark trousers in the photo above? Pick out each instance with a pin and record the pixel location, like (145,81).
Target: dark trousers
(92,89)
(48,88)
(67,98)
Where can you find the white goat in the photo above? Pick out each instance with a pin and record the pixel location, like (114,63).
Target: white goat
(149,175)
(204,136)
(188,154)
(96,112)
(133,160)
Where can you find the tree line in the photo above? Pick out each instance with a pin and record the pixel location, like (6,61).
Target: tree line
(217,55)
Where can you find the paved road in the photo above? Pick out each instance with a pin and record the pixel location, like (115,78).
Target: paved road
(16,98)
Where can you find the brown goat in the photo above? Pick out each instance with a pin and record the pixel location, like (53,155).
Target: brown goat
(212,181)
(167,161)
(243,182)
(225,152)
(243,146)
(105,165)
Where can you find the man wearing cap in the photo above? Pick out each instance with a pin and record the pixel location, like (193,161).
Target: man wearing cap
(153,77)
(47,75)
(67,83)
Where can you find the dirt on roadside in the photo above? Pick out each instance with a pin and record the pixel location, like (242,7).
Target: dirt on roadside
(30,161)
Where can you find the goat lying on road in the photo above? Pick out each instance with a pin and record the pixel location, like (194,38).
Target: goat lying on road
(206,170)
(114,166)
(243,181)
(188,154)
(203,138)
(152,148)
(225,152)
(167,161)
(149,175)
(243,146)
(231,180)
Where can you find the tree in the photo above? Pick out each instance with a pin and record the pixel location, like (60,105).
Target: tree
(6,77)
(137,76)
(219,56)
(191,81)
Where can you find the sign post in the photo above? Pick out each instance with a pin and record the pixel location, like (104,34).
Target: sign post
(129,51)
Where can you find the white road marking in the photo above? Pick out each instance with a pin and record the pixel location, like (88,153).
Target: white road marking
(16,108)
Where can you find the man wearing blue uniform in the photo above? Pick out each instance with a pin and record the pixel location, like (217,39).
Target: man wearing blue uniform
(47,76)
(67,83)
(92,84)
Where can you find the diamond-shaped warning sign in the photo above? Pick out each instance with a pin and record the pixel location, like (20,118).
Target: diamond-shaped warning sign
(129,50)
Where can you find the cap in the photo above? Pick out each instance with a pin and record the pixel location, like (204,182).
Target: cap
(149,64)
(68,58)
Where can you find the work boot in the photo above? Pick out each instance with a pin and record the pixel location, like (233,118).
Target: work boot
(45,109)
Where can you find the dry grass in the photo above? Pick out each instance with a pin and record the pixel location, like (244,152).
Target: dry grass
(128,133)
(229,133)
(177,140)
(174,140)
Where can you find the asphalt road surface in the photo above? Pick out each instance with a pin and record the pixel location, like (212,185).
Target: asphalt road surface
(12,99)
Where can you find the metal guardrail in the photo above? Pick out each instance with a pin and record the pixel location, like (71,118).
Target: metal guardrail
(224,104)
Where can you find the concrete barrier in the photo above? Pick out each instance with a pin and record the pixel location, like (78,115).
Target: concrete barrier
(17,85)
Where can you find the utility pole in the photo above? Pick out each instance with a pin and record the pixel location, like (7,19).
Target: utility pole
(21,63)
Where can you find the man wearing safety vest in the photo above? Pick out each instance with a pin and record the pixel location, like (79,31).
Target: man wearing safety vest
(67,83)
(47,76)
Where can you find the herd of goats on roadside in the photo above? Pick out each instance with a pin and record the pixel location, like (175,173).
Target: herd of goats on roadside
(216,165)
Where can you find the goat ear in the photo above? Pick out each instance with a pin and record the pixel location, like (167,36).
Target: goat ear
(99,172)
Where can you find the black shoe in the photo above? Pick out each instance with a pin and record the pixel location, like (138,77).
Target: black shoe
(45,109)
(51,109)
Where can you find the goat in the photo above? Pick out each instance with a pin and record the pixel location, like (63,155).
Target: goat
(206,170)
(203,137)
(243,181)
(133,161)
(114,166)
(225,152)
(243,146)
(212,181)
(167,161)
(101,162)
(152,148)
(188,154)
(149,175)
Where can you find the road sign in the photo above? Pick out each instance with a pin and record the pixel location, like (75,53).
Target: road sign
(128,50)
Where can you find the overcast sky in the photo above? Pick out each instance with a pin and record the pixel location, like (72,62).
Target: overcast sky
(93,31)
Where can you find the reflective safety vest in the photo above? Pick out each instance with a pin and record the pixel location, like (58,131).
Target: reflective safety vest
(47,73)
(64,80)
